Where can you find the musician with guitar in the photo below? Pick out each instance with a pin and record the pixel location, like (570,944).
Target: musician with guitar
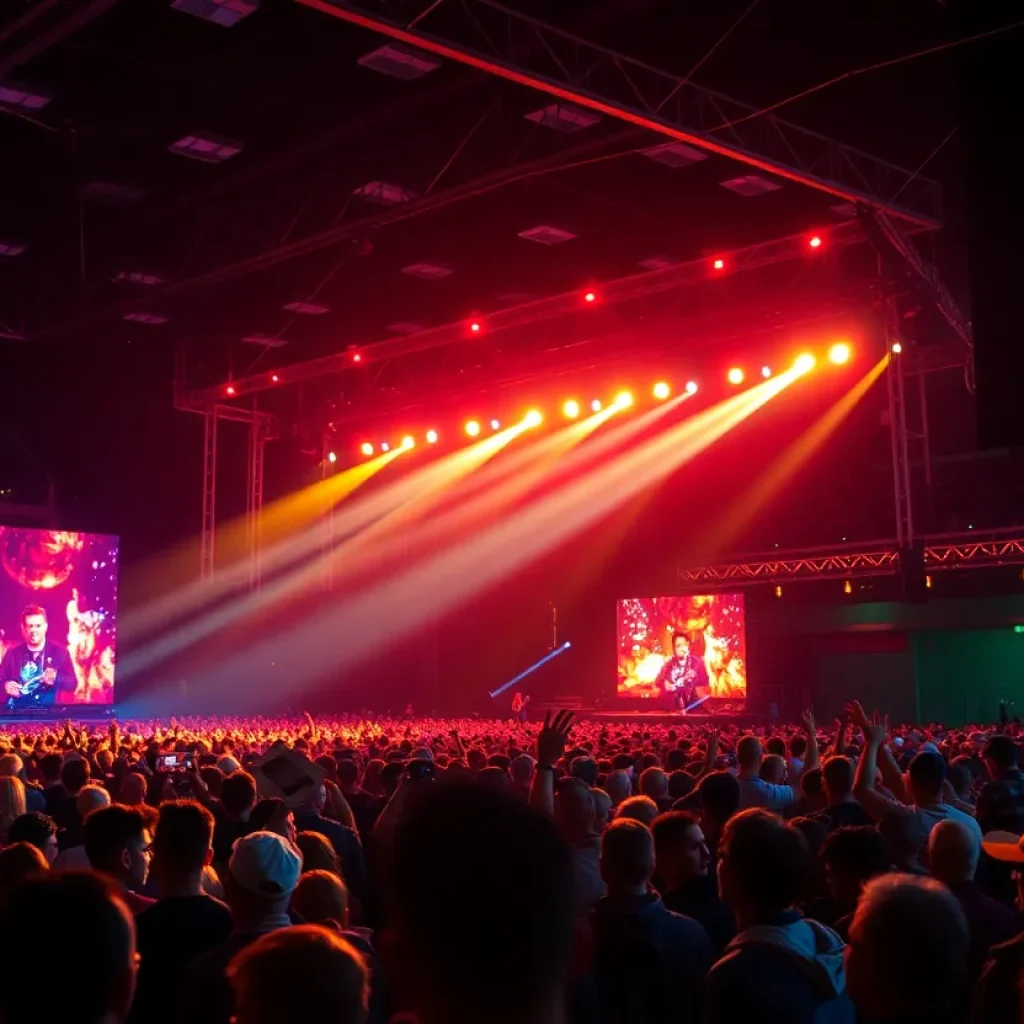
(34,672)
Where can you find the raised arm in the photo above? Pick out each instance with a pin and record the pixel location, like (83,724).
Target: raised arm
(875,803)
(551,743)
(813,759)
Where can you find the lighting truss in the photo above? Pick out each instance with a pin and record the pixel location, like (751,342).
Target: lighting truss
(493,38)
(941,551)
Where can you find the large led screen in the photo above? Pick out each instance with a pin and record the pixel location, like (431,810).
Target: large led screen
(678,651)
(58,619)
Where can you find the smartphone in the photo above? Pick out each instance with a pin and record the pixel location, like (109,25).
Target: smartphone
(420,770)
(176,762)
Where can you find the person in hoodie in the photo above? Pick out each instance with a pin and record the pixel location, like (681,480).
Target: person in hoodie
(781,966)
(649,963)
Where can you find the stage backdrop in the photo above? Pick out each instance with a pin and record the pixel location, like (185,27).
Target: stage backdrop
(655,663)
(72,577)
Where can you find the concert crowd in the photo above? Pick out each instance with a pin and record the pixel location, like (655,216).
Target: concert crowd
(446,871)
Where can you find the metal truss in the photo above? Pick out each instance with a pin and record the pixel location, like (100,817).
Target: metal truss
(492,38)
(881,558)
(623,289)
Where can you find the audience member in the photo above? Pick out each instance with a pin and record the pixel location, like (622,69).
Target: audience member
(90,798)
(851,856)
(38,829)
(117,844)
(18,862)
(12,803)
(841,808)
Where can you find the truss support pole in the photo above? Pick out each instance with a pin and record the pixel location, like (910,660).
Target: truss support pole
(254,498)
(898,434)
(209,492)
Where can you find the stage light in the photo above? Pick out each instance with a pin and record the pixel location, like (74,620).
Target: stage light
(229,390)
(408,441)
(533,418)
(595,405)
(331,457)
(384,446)
(624,399)
(839,353)
(735,375)
(590,297)
(691,387)
(928,582)
(778,590)
(896,348)
(814,242)
(719,264)
(274,378)
(804,363)
(475,327)
(367,449)
(431,437)
(571,409)
(356,357)
(472,428)
(766,372)
(662,390)
(848,587)
(495,425)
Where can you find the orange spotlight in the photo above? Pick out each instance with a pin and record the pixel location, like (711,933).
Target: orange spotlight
(331,457)
(735,375)
(896,348)
(840,353)
(590,297)
(691,387)
(408,441)
(229,390)
(495,425)
(472,428)
(624,399)
(848,587)
(719,264)
(533,418)
(814,242)
(367,449)
(662,391)
(595,405)
(766,372)
(804,363)
(778,590)
(571,409)
(431,437)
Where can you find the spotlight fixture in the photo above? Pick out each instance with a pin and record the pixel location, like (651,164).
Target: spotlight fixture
(839,353)
(495,425)
(367,449)
(385,447)
(624,399)
(472,428)
(408,441)
(691,387)
(661,391)
(229,390)
(814,241)
(595,405)
(766,372)
(475,326)
(735,375)
(590,297)
(778,590)
(895,348)
(804,363)
(571,409)
(848,587)
(274,378)
(331,457)
(357,357)
(719,264)
(533,418)
(431,437)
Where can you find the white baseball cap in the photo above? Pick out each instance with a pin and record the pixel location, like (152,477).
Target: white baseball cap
(265,864)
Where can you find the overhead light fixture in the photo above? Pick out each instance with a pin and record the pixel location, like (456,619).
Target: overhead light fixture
(427,270)
(307,308)
(265,340)
(221,12)
(399,62)
(145,278)
(657,263)
(205,147)
(749,185)
(563,117)
(23,97)
(547,234)
(674,154)
(146,318)
(384,193)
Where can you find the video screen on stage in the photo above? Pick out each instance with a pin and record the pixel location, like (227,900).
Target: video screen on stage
(680,651)
(58,619)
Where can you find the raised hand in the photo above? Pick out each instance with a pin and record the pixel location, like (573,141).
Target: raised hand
(807,718)
(553,737)
(877,729)
(858,716)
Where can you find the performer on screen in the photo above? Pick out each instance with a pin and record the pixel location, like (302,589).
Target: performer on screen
(35,671)
(682,673)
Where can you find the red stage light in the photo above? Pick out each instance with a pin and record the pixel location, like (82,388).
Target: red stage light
(384,446)
(229,390)
(533,418)
(719,264)
(814,242)
(589,297)
(735,375)
(431,437)
(804,363)
(662,390)
(331,457)
(367,449)
(274,378)
(356,357)
(896,348)
(472,428)
(408,441)
(495,425)
(595,405)
(691,387)
(475,327)
(571,409)
(840,353)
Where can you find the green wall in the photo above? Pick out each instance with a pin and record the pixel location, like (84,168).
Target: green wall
(963,674)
